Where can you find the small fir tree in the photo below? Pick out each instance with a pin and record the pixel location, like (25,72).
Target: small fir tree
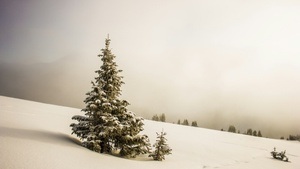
(259,134)
(232,129)
(162,118)
(254,133)
(161,147)
(194,124)
(249,132)
(178,122)
(107,123)
(185,122)
(155,118)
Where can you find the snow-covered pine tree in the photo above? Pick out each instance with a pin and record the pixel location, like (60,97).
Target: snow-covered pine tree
(107,123)
(129,142)
(161,147)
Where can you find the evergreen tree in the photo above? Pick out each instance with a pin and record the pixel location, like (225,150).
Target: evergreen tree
(232,129)
(178,122)
(162,117)
(254,133)
(107,123)
(259,134)
(155,118)
(161,147)
(194,124)
(185,122)
(249,132)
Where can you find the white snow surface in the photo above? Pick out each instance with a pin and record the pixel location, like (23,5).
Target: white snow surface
(37,136)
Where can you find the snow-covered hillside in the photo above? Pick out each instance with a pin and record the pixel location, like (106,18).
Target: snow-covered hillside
(37,136)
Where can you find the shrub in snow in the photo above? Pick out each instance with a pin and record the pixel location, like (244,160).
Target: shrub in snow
(107,123)
(279,156)
(161,147)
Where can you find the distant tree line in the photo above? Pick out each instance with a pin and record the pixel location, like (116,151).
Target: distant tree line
(258,133)
(294,137)
(185,122)
(291,137)
(232,129)
(161,118)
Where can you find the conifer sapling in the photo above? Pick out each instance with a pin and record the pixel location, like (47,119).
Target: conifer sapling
(161,147)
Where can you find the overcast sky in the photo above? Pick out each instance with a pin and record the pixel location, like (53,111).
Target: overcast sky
(222,61)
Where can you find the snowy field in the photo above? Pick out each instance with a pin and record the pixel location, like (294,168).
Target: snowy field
(37,136)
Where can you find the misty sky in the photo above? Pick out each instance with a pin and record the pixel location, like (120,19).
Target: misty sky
(217,62)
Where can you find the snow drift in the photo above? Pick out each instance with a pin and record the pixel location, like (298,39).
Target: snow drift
(36,135)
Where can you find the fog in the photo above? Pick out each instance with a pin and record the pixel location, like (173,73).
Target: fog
(216,62)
